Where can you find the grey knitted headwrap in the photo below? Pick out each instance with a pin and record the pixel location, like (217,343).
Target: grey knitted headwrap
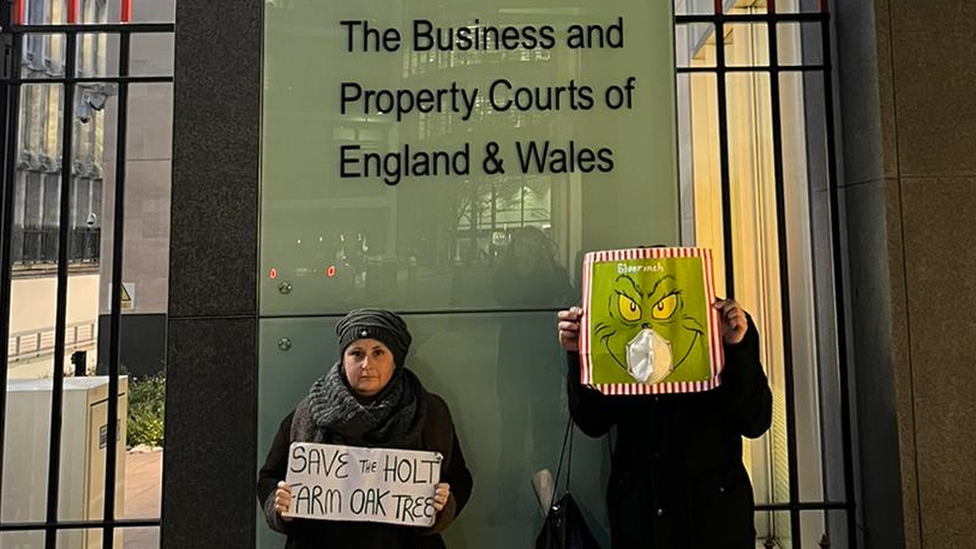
(379,324)
(395,416)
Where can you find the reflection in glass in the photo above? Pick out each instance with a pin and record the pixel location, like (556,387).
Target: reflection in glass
(747,44)
(695,7)
(691,42)
(799,43)
(433,243)
(527,275)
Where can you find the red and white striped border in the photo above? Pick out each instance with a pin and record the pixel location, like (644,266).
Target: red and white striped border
(715,343)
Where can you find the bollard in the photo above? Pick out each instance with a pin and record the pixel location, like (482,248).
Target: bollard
(79,359)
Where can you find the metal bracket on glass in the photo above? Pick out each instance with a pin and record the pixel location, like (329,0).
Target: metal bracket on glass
(284,288)
(284,344)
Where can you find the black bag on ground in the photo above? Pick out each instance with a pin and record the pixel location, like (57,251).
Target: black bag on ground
(565,527)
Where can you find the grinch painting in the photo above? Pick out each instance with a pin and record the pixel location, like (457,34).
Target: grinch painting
(649,321)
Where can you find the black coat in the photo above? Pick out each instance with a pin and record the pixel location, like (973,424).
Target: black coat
(438,436)
(677,479)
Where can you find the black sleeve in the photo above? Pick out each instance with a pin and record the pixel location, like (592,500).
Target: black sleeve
(592,411)
(459,477)
(750,402)
(456,474)
(274,470)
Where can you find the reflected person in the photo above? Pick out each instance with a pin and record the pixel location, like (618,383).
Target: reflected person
(367,399)
(527,277)
(677,480)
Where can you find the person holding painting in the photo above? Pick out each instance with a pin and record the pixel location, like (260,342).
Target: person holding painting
(677,480)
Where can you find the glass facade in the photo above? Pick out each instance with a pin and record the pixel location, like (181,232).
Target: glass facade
(479,262)
(331,242)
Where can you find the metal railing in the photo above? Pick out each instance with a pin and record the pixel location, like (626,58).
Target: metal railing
(40,343)
(39,246)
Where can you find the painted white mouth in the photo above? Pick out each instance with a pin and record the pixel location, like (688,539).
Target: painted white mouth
(649,357)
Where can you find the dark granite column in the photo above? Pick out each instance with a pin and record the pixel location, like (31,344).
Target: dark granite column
(211,405)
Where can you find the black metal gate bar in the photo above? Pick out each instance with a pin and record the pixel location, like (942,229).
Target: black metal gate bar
(10,95)
(78,525)
(723,147)
(796,533)
(115,332)
(781,68)
(61,314)
(804,17)
(97,80)
(87,28)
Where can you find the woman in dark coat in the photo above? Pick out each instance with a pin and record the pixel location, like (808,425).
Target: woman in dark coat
(677,479)
(367,399)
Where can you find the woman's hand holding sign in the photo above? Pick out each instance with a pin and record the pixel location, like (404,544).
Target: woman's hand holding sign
(282,501)
(442,492)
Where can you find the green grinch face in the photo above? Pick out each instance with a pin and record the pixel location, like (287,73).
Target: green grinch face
(652,301)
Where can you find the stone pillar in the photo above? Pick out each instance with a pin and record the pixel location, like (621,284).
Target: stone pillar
(211,392)
(906,86)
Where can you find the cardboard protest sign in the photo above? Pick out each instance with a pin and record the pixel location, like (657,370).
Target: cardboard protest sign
(648,326)
(331,482)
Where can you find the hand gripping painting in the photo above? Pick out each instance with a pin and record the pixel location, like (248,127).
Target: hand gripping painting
(648,326)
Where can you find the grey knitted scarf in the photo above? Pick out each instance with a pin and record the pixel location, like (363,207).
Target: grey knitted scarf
(394,419)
